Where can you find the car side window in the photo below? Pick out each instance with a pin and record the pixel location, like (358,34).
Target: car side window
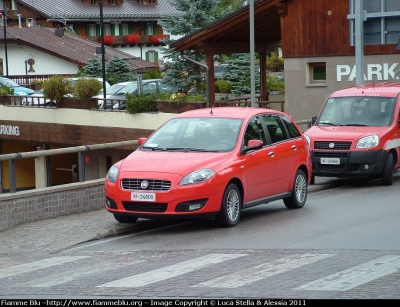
(294,133)
(149,88)
(275,128)
(254,131)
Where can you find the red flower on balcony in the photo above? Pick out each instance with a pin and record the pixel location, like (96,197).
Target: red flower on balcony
(84,36)
(132,38)
(155,39)
(109,39)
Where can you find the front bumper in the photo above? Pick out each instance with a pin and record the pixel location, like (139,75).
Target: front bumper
(352,163)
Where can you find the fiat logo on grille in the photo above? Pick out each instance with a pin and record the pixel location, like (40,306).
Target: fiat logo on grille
(144,184)
(331,145)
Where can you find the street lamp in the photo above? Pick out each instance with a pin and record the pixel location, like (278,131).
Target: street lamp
(4,14)
(103,65)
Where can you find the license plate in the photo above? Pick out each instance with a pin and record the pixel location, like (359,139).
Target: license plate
(143,196)
(335,161)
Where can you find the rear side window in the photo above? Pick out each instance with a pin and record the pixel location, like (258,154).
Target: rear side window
(294,133)
(275,128)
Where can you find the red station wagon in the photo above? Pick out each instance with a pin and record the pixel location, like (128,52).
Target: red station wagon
(357,133)
(212,163)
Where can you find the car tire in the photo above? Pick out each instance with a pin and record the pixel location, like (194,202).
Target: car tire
(231,206)
(125,219)
(299,192)
(387,174)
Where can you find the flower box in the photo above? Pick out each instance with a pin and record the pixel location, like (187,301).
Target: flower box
(155,39)
(179,106)
(132,38)
(109,39)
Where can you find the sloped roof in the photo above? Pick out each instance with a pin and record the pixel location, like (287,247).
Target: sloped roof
(231,33)
(75,9)
(69,47)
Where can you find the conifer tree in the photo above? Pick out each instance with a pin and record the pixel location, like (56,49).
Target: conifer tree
(92,68)
(195,14)
(118,70)
(238,74)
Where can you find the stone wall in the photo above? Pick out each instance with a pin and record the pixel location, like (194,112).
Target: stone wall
(51,202)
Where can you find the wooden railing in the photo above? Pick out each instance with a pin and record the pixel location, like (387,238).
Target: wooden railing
(26,80)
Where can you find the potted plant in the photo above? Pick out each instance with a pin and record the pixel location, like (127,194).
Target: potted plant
(132,38)
(55,88)
(37,84)
(5,92)
(83,92)
(275,63)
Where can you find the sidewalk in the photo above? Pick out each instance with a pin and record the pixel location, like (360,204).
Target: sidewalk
(55,234)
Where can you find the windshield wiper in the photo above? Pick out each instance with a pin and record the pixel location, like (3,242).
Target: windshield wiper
(329,124)
(355,125)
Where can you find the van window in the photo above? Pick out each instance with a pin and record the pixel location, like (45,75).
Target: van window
(357,111)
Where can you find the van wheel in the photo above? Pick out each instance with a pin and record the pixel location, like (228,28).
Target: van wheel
(387,174)
(299,192)
(231,205)
(125,219)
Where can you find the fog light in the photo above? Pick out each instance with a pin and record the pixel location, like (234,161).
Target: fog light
(194,207)
(365,167)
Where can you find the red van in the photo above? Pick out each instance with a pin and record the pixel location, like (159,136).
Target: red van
(357,133)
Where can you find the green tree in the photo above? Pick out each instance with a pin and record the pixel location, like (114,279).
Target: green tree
(92,68)
(195,14)
(118,70)
(238,74)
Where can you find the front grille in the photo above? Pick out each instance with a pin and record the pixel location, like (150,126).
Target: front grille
(144,207)
(324,154)
(338,145)
(154,185)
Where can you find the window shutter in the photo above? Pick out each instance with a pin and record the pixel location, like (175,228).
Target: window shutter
(130,28)
(147,56)
(146,32)
(120,29)
(76,29)
(155,28)
(113,29)
(156,56)
(98,30)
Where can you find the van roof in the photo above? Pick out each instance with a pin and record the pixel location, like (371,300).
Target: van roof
(387,89)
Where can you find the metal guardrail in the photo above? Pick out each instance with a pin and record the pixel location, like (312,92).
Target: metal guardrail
(40,153)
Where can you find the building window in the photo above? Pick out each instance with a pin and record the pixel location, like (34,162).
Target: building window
(382,25)
(148,1)
(107,29)
(149,29)
(10,4)
(112,1)
(151,57)
(94,1)
(316,74)
(92,30)
(124,29)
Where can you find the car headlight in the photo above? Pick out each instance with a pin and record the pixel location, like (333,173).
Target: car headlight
(308,140)
(368,142)
(198,176)
(112,174)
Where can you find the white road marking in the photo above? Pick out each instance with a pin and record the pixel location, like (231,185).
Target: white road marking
(57,279)
(37,265)
(251,275)
(355,276)
(171,271)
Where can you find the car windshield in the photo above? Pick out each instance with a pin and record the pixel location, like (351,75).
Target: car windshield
(357,111)
(8,82)
(113,89)
(195,134)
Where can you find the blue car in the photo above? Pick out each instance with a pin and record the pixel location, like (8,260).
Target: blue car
(18,90)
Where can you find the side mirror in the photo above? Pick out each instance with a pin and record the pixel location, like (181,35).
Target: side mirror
(141,141)
(253,145)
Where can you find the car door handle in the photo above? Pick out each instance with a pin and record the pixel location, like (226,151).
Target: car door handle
(271,153)
(294,147)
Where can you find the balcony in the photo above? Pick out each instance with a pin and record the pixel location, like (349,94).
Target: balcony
(122,40)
